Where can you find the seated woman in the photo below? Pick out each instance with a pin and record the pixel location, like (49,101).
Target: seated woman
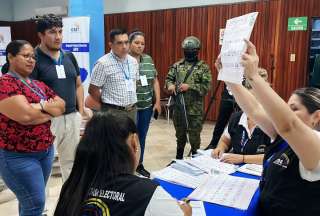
(26,150)
(290,183)
(242,135)
(247,141)
(102,180)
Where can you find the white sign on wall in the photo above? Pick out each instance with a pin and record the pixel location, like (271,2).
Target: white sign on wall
(5,39)
(76,40)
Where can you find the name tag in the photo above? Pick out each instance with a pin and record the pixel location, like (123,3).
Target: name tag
(130,85)
(143,80)
(60,72)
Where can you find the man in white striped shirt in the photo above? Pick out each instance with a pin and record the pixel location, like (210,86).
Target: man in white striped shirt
(114,76)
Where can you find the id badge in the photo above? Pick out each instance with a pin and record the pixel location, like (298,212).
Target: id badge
(60,72)
(143,80)
(130,85)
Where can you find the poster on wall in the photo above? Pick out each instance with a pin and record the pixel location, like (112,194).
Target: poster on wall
(5,38)
(76,40)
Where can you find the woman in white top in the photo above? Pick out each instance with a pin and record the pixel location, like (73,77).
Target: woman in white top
(102,181)
(290,183)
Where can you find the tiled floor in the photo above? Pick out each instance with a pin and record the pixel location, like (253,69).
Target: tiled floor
(160,149)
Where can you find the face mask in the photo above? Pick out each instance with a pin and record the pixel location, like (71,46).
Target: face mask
(191,55)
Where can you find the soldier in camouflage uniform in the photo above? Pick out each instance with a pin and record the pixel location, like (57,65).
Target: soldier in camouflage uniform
(188,80)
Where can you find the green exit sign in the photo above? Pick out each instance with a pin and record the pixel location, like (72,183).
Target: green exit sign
(297,23)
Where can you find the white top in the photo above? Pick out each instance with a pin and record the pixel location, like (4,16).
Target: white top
(310,175)
(244,122)
(112,75)
(163,204)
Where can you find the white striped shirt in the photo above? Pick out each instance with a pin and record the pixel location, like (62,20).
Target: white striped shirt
(110,74)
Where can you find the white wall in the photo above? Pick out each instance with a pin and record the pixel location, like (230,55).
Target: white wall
(25,9)
(119,6)
(17,10)
(6,10)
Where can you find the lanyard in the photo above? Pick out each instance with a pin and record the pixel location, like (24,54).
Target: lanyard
(243,142)
(38,91)
(127,76)
(59,62)
(277,149)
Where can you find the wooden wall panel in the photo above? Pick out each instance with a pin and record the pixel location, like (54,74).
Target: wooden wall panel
(165,29)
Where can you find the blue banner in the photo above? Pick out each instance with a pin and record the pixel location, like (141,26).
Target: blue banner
(75,47)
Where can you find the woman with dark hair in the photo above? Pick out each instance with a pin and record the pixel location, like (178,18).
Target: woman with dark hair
(290,183)
(242,135)
(26,107)
(148,88)
(102,180)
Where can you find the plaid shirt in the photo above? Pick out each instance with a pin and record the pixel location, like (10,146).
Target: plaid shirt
(110,74)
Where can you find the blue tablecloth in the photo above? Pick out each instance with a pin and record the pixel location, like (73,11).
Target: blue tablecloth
(213,209)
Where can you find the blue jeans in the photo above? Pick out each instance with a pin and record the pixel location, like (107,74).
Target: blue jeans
(143,122)
(26,174)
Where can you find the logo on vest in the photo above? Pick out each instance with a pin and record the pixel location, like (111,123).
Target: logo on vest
(260,149)
(283,161)
(107,194)
(95,206)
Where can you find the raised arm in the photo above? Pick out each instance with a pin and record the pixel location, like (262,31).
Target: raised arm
(250,105)
(301,137)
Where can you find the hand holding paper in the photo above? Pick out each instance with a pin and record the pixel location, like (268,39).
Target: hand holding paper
(233,46)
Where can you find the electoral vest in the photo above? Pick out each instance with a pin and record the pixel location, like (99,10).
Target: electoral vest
(125,195)
(283,191)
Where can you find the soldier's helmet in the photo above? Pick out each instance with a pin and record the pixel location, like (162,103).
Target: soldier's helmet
(191,42)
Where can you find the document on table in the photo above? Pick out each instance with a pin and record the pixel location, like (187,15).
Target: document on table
(197,208)
(180,178)
(237,29)
(252,169)
(211,165)
(183,166)
(227,190)
(204,152)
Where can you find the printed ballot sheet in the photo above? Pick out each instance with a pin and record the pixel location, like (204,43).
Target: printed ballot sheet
(197,208)
(210,165)
(237,29)
(252,169)
(227,190)
(180,178)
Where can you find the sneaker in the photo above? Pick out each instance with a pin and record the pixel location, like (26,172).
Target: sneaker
(142,171)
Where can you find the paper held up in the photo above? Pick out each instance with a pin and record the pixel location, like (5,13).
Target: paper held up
(233,46)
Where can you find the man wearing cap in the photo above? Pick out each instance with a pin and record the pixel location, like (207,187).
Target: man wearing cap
(188,81)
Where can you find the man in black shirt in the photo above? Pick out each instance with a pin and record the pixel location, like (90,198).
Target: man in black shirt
(60,71)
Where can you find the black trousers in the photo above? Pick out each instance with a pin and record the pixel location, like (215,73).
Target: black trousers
(227,107)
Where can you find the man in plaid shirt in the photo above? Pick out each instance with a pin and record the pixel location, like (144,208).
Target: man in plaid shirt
(114,76)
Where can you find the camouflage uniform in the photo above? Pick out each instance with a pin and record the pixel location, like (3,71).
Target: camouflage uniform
(199,83)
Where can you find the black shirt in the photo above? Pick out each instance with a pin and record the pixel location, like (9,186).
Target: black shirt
(283,191)
(240,141)
(125,195)
(45,71)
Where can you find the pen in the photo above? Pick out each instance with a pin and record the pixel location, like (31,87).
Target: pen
(184,201)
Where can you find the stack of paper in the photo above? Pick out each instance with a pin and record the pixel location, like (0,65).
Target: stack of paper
(252,169)
(227,190)
(211,166)
(187,168)
(197,208)
(180,178)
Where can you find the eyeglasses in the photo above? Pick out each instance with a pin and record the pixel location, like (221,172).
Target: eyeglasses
(27,57)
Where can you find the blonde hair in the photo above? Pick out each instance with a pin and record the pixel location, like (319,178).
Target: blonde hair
(262,72)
